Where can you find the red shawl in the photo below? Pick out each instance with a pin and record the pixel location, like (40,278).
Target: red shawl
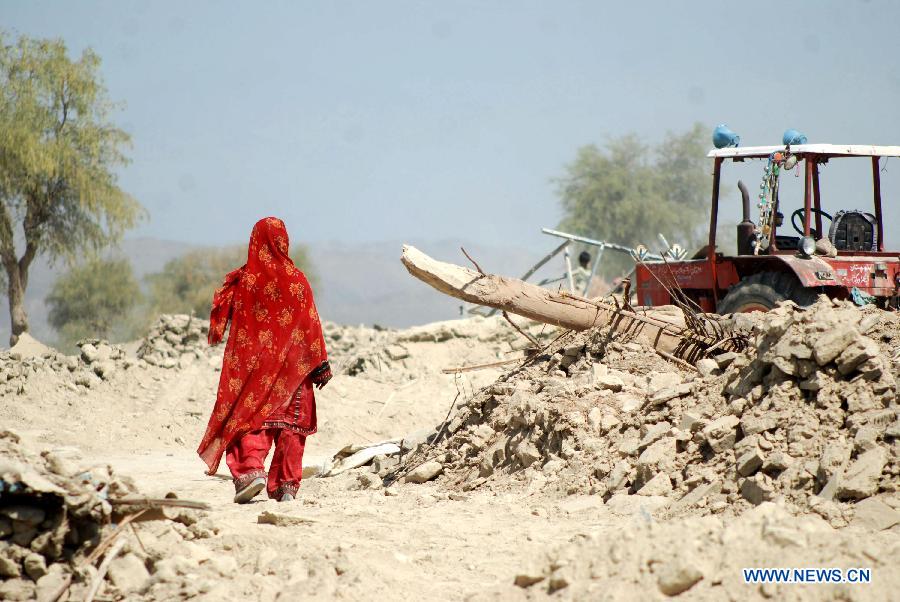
(275,340)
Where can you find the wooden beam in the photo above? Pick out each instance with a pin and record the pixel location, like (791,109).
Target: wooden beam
(659,329)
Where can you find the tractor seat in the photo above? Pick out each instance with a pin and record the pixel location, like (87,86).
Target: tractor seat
(854,231)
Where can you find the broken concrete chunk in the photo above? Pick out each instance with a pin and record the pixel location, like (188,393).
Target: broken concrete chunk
(751,425)
(282,520)
(661,484)
(724,360)
(861,350)
(707,366)
(749,463)
(425,472)
(861,478)
(722,433)
(832,343)
(757,489)
(610,382)
(678,575)
(657,381)
(664,395)
(396,352)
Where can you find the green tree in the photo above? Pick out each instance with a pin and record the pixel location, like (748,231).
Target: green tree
(59,153)
(628,193)
(93,300)
(186,284)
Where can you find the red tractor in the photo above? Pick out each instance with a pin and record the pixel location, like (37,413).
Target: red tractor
(847,260)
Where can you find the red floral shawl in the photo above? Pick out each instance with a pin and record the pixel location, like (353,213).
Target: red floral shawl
(275,340)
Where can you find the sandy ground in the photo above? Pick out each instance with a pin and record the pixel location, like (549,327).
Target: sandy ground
(406,542)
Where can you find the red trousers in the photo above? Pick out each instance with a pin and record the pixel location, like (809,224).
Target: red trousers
(246,457)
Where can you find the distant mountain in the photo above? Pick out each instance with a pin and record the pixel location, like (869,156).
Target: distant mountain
(358,283)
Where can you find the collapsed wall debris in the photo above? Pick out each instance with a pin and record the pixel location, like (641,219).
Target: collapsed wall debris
(808,414)
(174,340)
(705,556)
(58,518)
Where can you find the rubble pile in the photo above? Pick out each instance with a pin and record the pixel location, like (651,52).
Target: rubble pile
(51,514)
(16,370)
(175,340)
(100,359)
(808,413)
(705,556)
(363,349)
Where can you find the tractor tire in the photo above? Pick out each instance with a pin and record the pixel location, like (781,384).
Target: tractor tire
(763,291)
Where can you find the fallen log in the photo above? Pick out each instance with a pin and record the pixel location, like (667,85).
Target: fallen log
(662,330)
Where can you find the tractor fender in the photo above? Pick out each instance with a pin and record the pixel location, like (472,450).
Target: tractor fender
(810,271)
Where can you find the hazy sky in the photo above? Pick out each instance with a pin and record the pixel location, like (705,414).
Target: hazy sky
(383,120)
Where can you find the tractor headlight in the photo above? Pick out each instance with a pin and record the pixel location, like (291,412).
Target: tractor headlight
(807,246)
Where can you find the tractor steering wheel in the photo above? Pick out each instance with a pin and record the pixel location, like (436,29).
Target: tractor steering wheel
(802,213)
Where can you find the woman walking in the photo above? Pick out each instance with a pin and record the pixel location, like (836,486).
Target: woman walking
(274,355)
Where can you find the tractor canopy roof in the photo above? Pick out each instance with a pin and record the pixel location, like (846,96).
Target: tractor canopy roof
(828,150)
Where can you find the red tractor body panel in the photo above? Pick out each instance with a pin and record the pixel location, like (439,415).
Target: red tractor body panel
(708,277)
(876,276)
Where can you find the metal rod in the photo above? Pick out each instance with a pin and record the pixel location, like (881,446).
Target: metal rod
(598,243)
(713,218)
(569,269)
(817,199)
(807,196)
(593,270)
(876,185)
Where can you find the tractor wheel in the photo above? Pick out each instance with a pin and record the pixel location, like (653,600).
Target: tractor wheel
(763,291)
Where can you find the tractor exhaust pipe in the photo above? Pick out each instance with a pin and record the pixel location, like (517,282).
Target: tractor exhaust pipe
(745,228)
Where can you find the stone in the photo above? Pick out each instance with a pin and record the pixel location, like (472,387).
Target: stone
(678,575)
(35,566)
(757,490)
(610,382)
(104,369)
(9,568)
(89,353)
(664,395)
(424,472)
(721,434)
(49,584)
(707,366)
(749,463)
(832,343)
(396,352)
(279,519)
(128,573)
(872,514)
(526,452)
(528,578)
(657,381)
(609,422)
(725,359)
(777,461)
(661,485)
(751,425)
(618,477)
(861,478)
(697,494)
(689,422)
(17,589)
(595,416)
(654,433)
(861,350)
